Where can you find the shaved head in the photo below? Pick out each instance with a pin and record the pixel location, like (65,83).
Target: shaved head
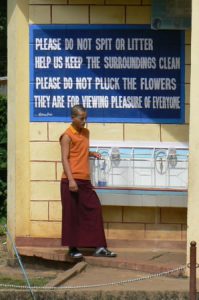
(77,108)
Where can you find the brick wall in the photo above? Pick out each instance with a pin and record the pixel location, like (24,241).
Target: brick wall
(120,222)
(149,223)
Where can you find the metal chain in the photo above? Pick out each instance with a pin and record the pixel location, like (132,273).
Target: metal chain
(94,285)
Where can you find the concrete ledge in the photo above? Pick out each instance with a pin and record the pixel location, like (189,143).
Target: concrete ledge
(55,254)
(131,259)
(136,265)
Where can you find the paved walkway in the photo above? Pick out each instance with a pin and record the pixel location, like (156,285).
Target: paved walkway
(97,275)
(132,264)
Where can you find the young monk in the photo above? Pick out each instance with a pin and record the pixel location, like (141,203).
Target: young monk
(82,224)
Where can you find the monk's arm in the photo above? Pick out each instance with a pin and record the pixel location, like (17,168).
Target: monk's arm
(65,151)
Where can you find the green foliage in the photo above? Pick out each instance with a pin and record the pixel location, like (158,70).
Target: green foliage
(3,38)
(3,197)
(3,155)
(2,228)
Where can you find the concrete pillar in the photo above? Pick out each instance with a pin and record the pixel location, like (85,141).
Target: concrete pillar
(18,120)
(193,192)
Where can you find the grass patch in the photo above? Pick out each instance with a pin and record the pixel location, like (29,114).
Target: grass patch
(39,281)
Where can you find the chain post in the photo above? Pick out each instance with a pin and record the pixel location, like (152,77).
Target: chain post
(192,280)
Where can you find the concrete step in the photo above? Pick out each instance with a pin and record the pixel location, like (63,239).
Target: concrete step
(149,260)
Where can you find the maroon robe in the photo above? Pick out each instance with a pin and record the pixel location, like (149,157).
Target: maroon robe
(82,223)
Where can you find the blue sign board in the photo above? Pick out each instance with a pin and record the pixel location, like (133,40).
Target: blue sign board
(120,73)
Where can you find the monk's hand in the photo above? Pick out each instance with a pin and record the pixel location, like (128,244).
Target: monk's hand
(97,155)
(73,186)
